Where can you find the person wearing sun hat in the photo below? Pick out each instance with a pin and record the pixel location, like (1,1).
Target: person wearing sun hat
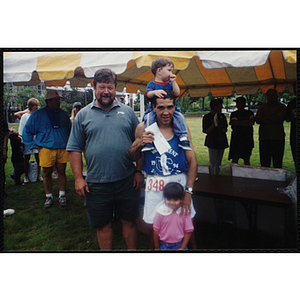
(51,127)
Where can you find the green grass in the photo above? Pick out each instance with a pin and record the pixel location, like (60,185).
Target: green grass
(32,228)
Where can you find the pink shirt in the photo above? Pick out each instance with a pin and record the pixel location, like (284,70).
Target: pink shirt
(172,227)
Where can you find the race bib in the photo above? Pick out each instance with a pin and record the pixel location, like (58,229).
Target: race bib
(157,183)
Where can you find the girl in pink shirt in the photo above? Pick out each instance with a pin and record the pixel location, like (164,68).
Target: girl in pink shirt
(172,231)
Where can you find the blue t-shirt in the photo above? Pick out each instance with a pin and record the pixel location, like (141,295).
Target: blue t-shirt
(51,129)
(106,138)
(154,86)
(169,163)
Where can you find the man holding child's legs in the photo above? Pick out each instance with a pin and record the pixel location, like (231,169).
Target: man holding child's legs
(175,165)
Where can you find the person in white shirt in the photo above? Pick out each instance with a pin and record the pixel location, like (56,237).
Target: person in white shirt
(33,105)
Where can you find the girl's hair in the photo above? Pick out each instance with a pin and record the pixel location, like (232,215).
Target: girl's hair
(160,62)
(173,190)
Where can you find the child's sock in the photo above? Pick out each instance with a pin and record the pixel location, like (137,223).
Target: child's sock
(49,195)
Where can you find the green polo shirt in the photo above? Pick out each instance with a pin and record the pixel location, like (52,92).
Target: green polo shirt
(106,138)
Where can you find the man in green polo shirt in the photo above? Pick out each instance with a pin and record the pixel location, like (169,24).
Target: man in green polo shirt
(105,129)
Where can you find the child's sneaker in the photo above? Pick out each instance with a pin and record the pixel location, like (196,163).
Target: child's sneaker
(148,147)
(40,178)
(185,144)
(62,201)
(49,202)
(26,179)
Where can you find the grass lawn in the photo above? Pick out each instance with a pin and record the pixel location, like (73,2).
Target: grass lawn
(32,228)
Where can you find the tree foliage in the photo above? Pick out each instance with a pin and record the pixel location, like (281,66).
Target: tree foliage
(70,97)
(20,97)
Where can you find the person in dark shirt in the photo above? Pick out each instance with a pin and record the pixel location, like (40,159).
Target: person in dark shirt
(241,143)
(17,157)
(215,126)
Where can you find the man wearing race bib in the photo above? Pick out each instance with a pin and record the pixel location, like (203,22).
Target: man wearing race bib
(167,162)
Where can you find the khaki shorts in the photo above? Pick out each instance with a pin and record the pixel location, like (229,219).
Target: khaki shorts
(49,157)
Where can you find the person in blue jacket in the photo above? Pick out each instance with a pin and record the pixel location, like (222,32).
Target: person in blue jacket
(51,127)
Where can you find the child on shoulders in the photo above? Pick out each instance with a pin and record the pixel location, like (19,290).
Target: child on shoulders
(162,69)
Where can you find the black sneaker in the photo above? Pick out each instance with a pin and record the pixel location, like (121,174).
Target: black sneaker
(185,145)
(49,202)
(62,201)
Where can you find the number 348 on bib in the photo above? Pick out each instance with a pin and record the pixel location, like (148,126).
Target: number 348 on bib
(155,185)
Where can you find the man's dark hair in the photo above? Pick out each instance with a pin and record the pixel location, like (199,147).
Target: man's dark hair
(160,62)
(215,102)
(270,90)
(169,95)
(105,75)
(173,190)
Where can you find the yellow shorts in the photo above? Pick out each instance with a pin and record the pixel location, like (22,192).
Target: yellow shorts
(49,157)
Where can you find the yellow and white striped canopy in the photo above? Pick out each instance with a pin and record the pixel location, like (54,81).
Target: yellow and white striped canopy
(198,72)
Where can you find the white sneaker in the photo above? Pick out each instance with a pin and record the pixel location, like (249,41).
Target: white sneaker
(26,179)
(40,178)
(49,202)
(8,212)
(62,201)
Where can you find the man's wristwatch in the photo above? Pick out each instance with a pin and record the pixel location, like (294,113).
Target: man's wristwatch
(189,190)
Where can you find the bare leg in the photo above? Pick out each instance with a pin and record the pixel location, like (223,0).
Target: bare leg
(47,179)
(62,178)
(105,237)
(37,159)
(130,234)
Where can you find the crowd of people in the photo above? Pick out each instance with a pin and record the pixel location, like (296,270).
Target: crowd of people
(270,117)
(123,154)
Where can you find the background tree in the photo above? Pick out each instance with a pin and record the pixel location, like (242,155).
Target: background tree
(69,98)
(184,103)
(21,97)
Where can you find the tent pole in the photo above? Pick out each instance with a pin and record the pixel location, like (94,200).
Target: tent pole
(142,106)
